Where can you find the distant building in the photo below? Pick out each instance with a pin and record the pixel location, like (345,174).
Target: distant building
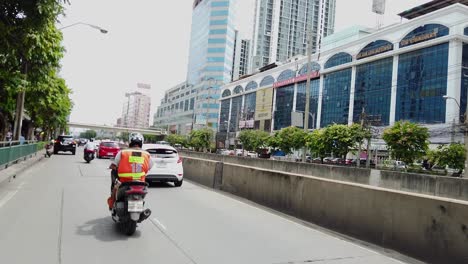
(280,28)
(210,57)
(119,122)
(175,112)
(136,110)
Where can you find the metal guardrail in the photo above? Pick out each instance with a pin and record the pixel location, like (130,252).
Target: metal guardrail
(13,152)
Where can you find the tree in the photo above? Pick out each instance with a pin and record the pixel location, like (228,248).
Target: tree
(452,155)
(315,142)
(338,139)
(175,139)
(290,138)
(88,134)
(29,50)
(252,140)
(406,141)
(201,139)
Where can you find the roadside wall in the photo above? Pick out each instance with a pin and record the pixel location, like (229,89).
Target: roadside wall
(443,186)
(430,228)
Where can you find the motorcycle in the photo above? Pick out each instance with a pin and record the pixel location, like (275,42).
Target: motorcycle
(88,155)
(129,206)
(49,150)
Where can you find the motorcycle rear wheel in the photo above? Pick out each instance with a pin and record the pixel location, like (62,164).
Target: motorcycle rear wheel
(129,227)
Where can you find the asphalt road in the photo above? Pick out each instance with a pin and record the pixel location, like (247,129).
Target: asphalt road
(55,212)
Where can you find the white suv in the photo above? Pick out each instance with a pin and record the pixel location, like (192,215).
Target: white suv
(167,164)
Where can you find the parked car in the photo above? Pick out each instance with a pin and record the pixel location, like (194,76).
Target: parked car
(65,143)
(239,152)
(252,154)
(108,149)
(167,164)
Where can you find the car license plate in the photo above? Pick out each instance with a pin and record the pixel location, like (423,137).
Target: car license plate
(135,206)
(110,153)
(161,165)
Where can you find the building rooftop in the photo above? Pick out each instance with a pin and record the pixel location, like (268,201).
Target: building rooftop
(429,7)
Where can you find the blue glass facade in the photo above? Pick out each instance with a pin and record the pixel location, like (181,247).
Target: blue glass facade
(285,75)
(374,48)
(283,107)
(249,106)
(251,86)
(373,89)
(267,80)
(237,90)
(224,115)
(424,33)
(422,81)
(335,100)
(315,67)
(464,80)
(226,93)
(235,113)
(338,59)
(313,100)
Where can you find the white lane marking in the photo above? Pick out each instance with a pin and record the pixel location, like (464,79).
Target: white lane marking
(5,199)
(159,223)
(10,195)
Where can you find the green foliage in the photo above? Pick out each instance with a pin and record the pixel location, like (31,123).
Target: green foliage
(338,139)
(406,141)
(175,139)
(452,155)
(252,140)
(315,142)
(201,139)
(88,134)
(359,133)
(30,52)
(288,139)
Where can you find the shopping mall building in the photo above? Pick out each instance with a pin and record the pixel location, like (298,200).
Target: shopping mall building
(416,70)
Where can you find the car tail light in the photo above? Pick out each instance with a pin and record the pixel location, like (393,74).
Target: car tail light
(180,160)
(57,141)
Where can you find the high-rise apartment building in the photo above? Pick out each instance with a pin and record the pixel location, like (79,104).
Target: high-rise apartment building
(211,56)
(241,58)
(280,28)
(136,110)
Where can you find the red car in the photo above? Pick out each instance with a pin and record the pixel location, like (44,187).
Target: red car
(108,149)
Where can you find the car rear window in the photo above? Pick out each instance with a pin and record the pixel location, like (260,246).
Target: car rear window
(110,144)
(162,153)
(65,138)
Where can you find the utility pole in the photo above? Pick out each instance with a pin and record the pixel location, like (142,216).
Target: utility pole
(362,117)
(307,102)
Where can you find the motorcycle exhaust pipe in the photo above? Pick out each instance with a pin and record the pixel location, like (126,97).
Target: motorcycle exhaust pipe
(144,215)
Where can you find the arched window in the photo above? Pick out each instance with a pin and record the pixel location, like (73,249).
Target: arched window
(268,80)
(226,93)
(238,89)
(423,33)
(338,59)
(251,85)
(315,67)
(285,75)
(374,48)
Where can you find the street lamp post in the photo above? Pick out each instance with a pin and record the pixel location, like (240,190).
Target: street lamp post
(22,94)
(465,132)
(103,31)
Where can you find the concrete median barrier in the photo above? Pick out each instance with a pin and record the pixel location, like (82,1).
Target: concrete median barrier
(430,228)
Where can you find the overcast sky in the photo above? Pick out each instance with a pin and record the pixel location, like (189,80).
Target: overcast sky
(148,42)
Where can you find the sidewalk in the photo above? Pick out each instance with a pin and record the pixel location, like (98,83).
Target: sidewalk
(13,170)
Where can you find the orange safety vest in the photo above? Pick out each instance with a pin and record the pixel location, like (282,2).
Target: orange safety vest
(134,165)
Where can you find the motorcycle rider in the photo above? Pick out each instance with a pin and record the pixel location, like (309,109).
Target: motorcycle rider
(90,145)
(131,164)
